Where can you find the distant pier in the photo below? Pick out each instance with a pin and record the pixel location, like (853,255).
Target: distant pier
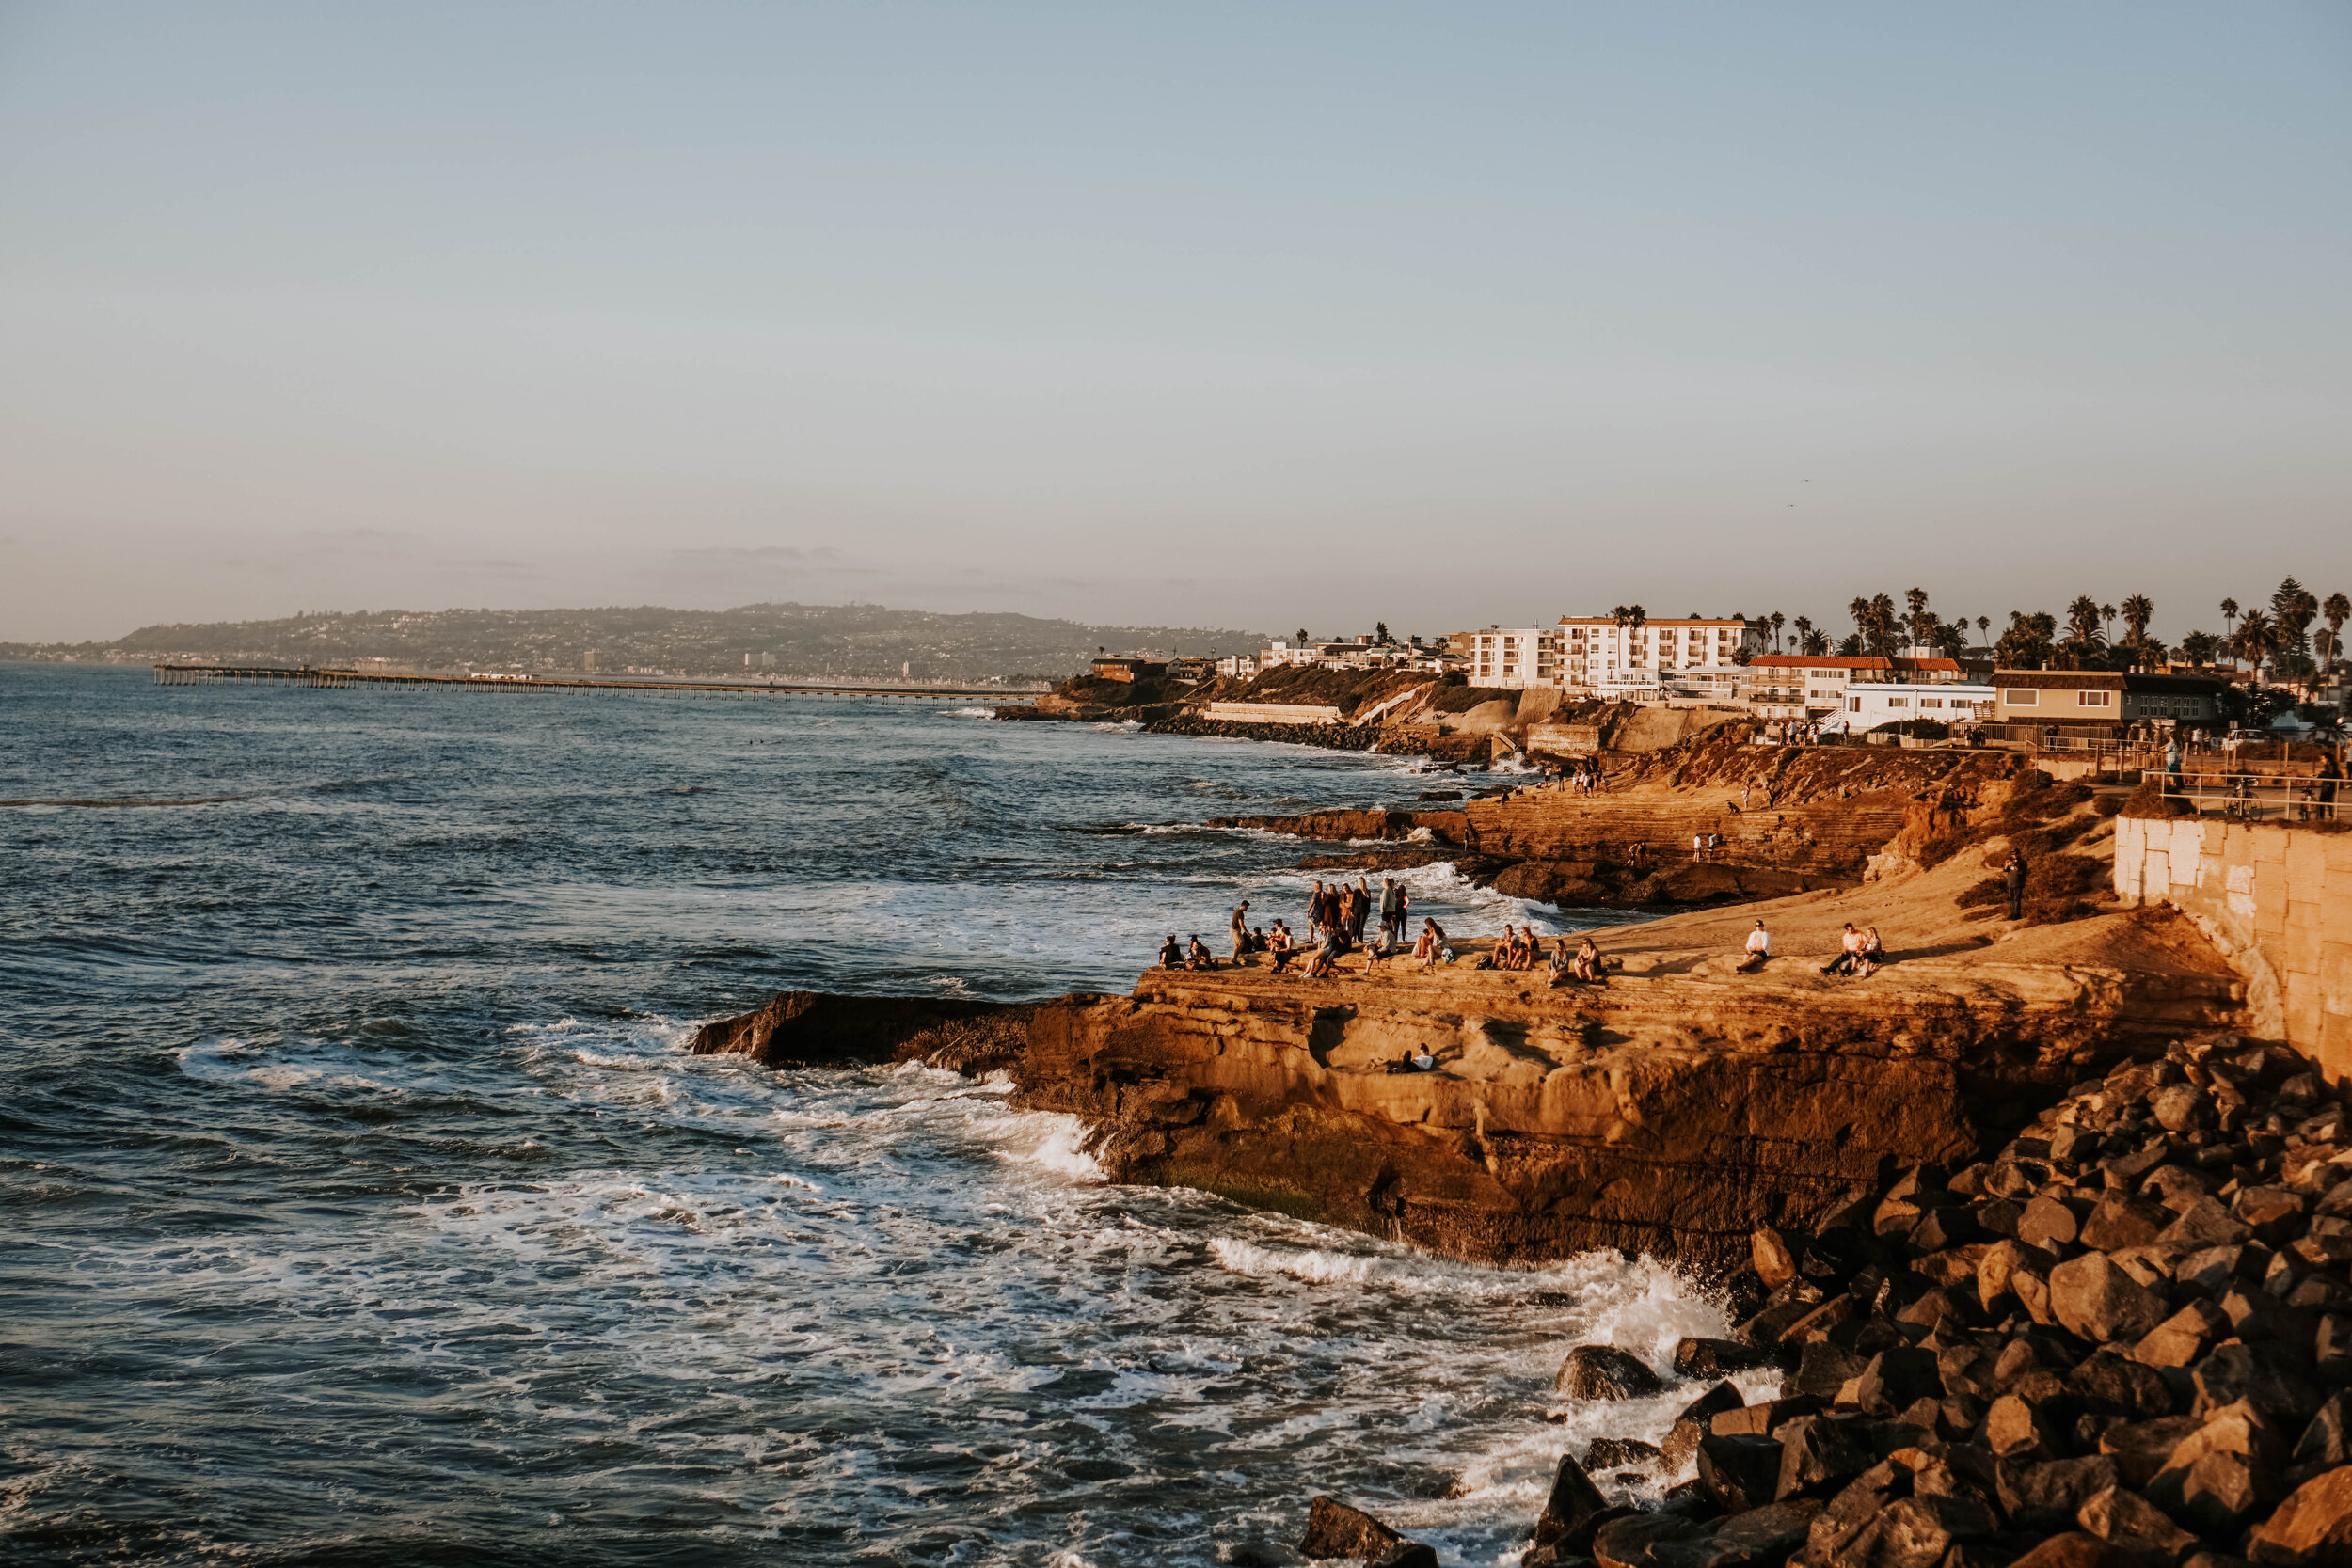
(207,674)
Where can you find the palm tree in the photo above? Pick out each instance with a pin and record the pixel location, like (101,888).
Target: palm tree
(1778,621)
(1804,633)
(2198,647)
(2229,627)
(1984,626)
(2106,619)
(2291,608)
(2137,610)
(2084,640)
(1302,636)
(2337,609)
(1915,601)
(2255,640)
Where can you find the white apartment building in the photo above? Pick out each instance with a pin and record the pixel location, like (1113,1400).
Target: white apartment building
(1696,657)
(1513,657)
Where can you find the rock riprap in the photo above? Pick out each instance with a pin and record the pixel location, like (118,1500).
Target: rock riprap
(2156,1379)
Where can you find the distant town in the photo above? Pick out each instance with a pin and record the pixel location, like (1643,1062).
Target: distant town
(2097,670)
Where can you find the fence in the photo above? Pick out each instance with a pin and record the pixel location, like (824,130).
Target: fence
(2243,797)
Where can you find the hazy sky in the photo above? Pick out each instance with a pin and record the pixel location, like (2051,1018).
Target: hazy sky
(1264,314)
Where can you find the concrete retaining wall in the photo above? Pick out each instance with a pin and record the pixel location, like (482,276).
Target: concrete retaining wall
(2277,899)
(1273,713)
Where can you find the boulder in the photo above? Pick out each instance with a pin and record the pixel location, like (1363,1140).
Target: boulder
(2047,1222)
(2105,1382)
(2313,1528)
(1819,1454)
(2121,1220)
(1715,1357)
(1564,1528)
(2047,1495)
(1662,1540)
(1770,1533)
(2215,1492)
(1775,1264)
(2205,1222)
(2264,1375)
(2326,1444)
(1920,1533)
(2077,1549)
(1894,1380)
(2142,1448)
(2127,1520)
(1682,1438)
(1335,1530)
(2093,1298)
(1605,1372)
(1619,1454)
(1739,1471)
(1823,1369)
(2181,1339)
(2015,1429)
(2181,1107)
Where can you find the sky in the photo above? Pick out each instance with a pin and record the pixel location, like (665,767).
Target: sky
(1272,315)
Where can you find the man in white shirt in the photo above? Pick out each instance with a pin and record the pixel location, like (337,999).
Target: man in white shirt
(1850,958)
(1759,949)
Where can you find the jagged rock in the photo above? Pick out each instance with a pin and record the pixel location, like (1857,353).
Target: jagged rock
(2047,1495)
(2177,1187)
(2142,1448)
(2326,1443)
(2106,1381)
(2215,1492)
(1774,1264)
(2128,1520)
(1769,1535)
(1660,1540)
(1605,1372)
(2093,1298)
(1918,1532)
(2119,1220)
(2313,1528)
(2048,1222)
(2077,1549)
(1764,1419)
(2264,1375)
(2332,1349)
(1715,1357)
(1816,1326)
(1692,1423)
(2204,1224)
(1823,1368)
(1619,1454)
(1894,1380)
(2270,1211)
(1335,1530)
(2181,1339)
(1739,1472)
(1564,1528)
(2015,1429)
(2181,1107)
(1817,1455)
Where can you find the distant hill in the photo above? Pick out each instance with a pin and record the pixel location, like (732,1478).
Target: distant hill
(865,641)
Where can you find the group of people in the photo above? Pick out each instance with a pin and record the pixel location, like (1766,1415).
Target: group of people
(1705,845)
(1343,912)
(1860,952)
(1580,776)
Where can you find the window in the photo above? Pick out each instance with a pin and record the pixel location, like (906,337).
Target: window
(2022,696)
(2094,699)
(1931,702)
(1897,702)
(1854,704)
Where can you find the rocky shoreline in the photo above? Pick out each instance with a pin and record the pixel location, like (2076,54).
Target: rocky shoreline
(2116,1334)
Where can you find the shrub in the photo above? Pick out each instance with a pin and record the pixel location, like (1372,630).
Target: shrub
(2149,801)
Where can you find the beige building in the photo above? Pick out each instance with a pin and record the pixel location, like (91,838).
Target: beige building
(1513,657)
(2099,704)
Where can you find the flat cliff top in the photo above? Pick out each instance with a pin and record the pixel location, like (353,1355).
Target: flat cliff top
(1937,949)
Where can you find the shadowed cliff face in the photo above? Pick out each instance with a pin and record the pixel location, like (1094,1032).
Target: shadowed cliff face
(1671,1111)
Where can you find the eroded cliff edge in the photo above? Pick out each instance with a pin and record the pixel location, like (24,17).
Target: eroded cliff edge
(1671,1111)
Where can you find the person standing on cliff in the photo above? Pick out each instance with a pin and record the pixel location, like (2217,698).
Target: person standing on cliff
(1363,911)
(1316,909)
(2015,871)
(1241,932)
(1392,911)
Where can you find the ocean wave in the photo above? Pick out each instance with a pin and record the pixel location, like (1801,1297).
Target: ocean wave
(971,713)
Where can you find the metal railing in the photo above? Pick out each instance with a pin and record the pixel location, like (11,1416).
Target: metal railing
(2255,797)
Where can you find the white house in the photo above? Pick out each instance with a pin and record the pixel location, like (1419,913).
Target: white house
(1694,657)
(1870,704)
(1513,657)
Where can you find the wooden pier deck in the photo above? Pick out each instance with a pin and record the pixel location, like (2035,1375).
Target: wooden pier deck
(337,679)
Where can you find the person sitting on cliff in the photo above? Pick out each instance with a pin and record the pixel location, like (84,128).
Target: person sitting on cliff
(1759,950)
(1589,966)
(1849,956)
(1871,955)
(1323,963)
(1197,955)
(1426,946)
(1528,950)
(1563,964)
(1171,955)
(1423,1061)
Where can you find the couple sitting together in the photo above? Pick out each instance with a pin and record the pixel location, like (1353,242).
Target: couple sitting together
(1514,950)
(1585,967)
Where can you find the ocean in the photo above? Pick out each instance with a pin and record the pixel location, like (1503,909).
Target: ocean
(364,1207)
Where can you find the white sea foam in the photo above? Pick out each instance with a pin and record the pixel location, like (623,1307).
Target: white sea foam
(972,713)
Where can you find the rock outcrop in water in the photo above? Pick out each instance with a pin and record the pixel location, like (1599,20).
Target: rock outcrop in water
(1671,1111)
